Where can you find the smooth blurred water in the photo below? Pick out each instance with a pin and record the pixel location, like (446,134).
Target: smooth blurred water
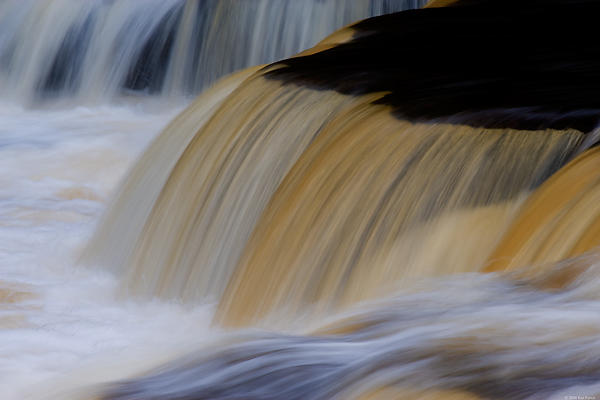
(75,80)
(62,326)
(94,51)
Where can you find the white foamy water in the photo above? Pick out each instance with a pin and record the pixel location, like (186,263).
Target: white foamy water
(58,170)
(60,324)
(63,330)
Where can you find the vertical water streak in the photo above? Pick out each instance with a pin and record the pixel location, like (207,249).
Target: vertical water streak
(138,193)
(231,35)
(561,219)
(199,225)
(122,30)
(375,201)
(97,51)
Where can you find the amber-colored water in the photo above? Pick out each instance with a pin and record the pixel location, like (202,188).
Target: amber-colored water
(561,219)
(375,202)
(272,198)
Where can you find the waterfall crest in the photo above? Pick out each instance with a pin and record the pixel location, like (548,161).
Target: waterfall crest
(351,200)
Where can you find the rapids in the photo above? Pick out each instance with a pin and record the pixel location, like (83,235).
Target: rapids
(323,227)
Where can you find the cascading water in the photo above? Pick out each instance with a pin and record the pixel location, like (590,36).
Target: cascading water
(84,87)
(97,50)
(408,213)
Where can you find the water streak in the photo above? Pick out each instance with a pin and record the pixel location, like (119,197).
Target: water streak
(95,51)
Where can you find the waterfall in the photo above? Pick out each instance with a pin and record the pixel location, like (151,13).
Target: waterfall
(269,212)
(351,208)
(318,193)
(97,50)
